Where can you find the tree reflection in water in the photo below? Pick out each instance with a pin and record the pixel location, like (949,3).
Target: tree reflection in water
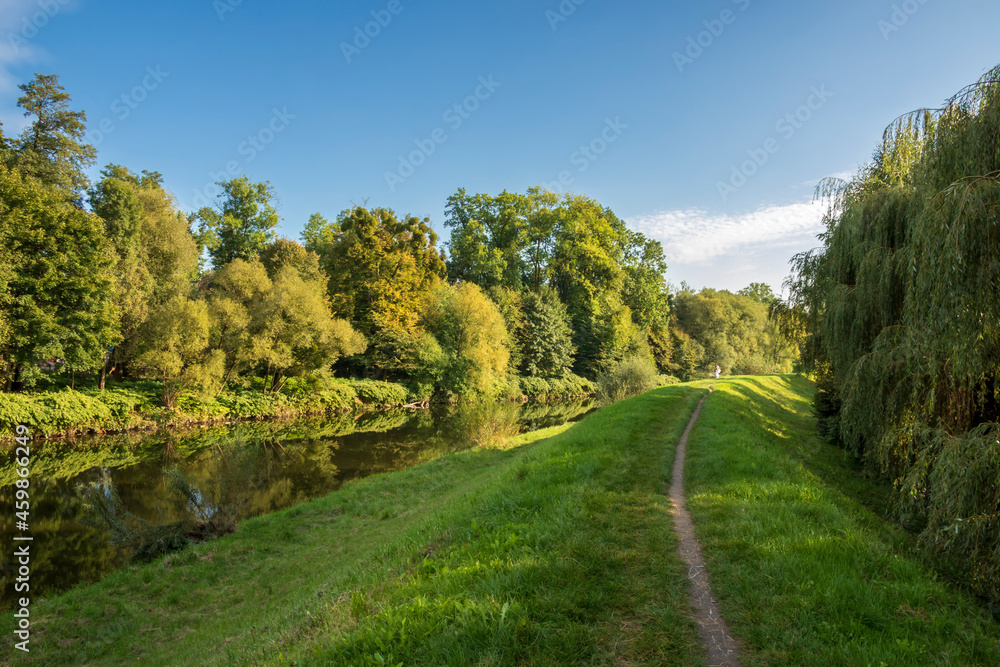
(104,501)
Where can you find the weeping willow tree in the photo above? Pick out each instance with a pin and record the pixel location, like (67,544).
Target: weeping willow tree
(904,299)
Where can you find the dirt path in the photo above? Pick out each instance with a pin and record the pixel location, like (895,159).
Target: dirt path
(720,645)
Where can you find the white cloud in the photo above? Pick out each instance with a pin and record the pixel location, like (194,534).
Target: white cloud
(695,237)
(842,175)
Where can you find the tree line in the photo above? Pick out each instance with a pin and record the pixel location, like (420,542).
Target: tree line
(111,279)
(901,312)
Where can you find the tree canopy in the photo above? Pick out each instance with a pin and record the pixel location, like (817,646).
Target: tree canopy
(242,222)
(51,148)
(902,304)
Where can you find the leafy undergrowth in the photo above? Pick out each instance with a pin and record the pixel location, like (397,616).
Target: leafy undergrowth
(805,572)
(558,552)
(136,405)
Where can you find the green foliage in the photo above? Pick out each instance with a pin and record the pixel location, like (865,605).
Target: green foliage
(903,306)
(156,255)
(631,377)
(241,225)
(544,389)
(733,330)
(374,393)
(284,252)
(60,292)
(255,404)
(756,364)
(50,413)
(281,324)
(298,333)
(545,338)
(511,307)
(50,149)
(760,292)
(380,270)
(175,349)
(608,278)
(472,333)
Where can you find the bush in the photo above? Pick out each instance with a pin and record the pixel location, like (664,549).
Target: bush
(569,385)
(255,404)
(755,364)
(418,391)
(49,413)
(667,380)
(192,405)
(335,396)
(631,377)
(378,394)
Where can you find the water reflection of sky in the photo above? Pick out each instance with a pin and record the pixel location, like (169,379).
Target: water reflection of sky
(205,474)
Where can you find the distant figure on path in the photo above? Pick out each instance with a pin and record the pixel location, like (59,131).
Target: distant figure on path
(718,371)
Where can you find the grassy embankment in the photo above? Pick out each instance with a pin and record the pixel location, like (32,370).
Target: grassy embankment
(136,405)
(559,552)
(805,572)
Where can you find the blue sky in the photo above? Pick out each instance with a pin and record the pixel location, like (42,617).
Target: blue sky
(647,106)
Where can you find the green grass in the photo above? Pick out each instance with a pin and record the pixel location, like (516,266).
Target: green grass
(804,571)
(559,552)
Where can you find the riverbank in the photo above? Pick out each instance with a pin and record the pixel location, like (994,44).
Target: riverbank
(560,551)
(135,405)
(502,532)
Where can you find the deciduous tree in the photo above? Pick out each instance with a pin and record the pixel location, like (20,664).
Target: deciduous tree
(60,292)
(242,223)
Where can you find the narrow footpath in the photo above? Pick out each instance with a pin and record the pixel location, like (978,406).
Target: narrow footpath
(721,647)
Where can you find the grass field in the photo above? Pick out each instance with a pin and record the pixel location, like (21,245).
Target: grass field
(557,552)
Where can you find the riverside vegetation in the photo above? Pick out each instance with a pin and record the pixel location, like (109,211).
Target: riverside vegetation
(901,308)
(165,316)
(558,551)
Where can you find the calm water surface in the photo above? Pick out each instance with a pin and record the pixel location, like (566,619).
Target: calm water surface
(146,482)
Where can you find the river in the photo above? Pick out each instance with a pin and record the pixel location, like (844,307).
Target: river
(98,501)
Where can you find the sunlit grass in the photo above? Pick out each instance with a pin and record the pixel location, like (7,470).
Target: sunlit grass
(558,552)
(805,573)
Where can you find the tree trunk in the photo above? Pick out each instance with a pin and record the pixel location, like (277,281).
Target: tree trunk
(104,369)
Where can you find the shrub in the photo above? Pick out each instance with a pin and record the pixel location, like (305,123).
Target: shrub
(254,404)
(631,377)
(755,364)
(122,403)
(374,393)
(49,413)
(336,396)
(539,388)
(195,406)
(667,380)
